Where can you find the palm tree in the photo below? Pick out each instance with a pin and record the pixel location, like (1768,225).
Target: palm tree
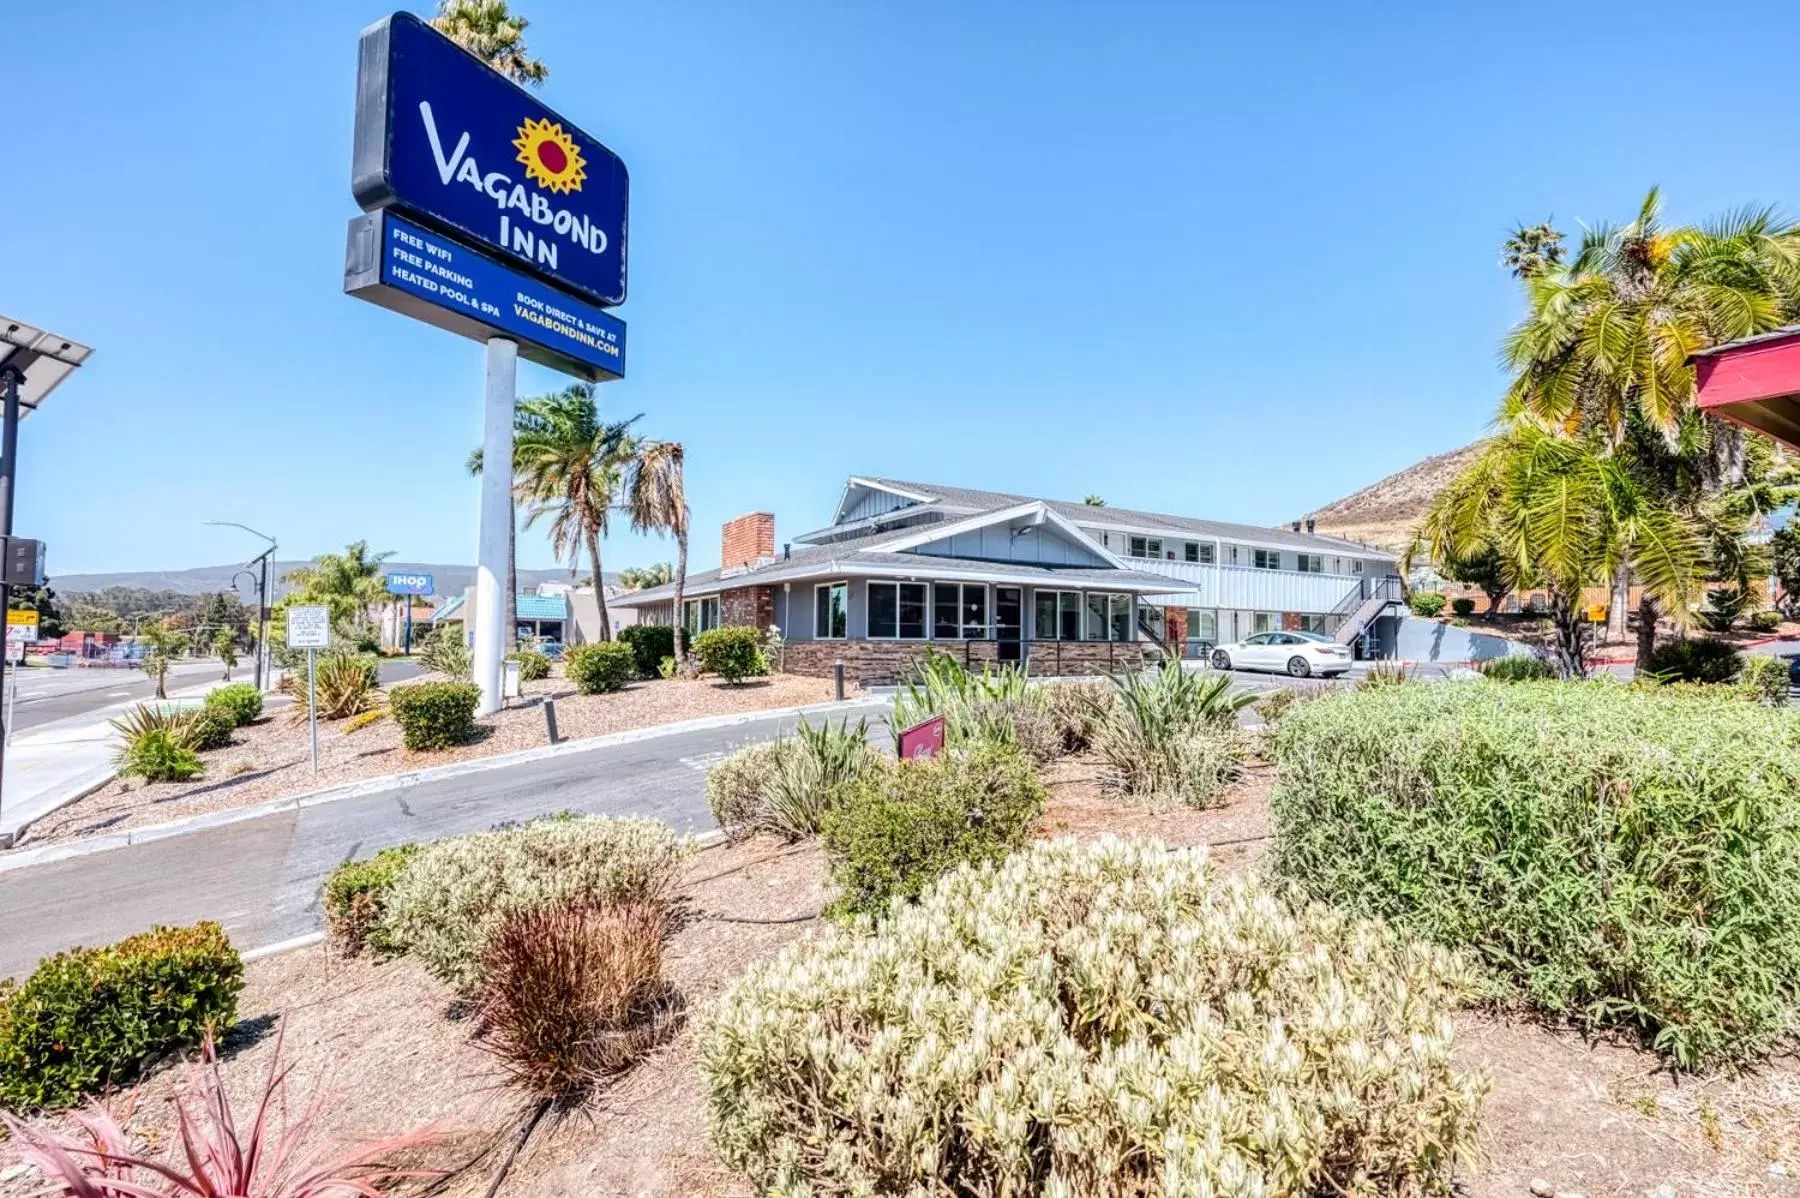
(638,578)
(1565,513)
(1604,349)
(571,465)
(656,501)
(349,583)
(1093,501)
(494,34)
(1530,250)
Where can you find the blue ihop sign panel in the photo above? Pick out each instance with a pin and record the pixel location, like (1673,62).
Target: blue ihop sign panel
(421,273)
(408,584)
(450,141)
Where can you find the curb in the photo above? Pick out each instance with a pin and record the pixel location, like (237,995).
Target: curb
(84,789)
(25,858)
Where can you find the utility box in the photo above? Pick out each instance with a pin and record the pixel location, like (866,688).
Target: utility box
(22,563)
(509,679)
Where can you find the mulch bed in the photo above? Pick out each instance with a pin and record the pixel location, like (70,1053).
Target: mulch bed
(383,1039)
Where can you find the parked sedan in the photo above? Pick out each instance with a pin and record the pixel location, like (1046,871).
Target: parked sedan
(1301,654)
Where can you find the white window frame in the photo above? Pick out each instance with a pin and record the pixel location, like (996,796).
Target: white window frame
(1198,553)
(822,634)
(1316,560)
(1055,632)
(1266,559)
(869,620)
(962,628)
(1264,621)
(1145,548)
(1311,623)
(1112,599)
(699,607)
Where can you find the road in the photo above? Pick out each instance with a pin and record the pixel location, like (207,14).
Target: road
(260,877)
(48,695)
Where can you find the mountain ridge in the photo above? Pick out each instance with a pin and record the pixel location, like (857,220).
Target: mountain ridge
(447,579)
(1385,512)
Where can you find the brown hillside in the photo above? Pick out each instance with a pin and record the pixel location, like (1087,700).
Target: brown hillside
(1384,513)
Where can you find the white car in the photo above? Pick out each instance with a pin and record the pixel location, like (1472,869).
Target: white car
(1301,654)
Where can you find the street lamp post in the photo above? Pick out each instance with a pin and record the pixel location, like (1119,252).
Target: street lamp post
(32,363)
(262,591)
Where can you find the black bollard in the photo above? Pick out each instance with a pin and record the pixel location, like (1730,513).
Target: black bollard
(837,674)
(550,718)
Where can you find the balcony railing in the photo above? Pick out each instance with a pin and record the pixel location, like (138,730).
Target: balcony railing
(1248,588)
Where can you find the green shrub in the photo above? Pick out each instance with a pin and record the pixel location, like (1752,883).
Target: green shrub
(241,699)
(1087,1020)
(900,826)
(356,893)
(1723,607)
(999,705)
(784,787)
(1275,704)
(1518,667)
(1462,608)
(533,666)
(732,653)
(93,1017)
(667,668)
(1763,621)
(1766,679)
(209,728)
(600,667)
(453,895)
(1695,660)
(1426,603)
(1622,856)
(158,756)
(435,715)
(1171,735)
(446,652)
(650,643)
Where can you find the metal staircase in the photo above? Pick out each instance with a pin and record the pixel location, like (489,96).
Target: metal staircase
(1363,605)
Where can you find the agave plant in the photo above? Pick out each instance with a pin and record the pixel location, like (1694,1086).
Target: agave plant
(967,701)
(216,1158)
(1171,735)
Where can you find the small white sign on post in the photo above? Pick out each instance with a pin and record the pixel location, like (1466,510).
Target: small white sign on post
(309,627)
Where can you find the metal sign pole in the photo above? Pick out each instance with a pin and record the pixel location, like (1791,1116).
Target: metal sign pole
(409,625)
(312,707)
(493,607)
(9,470)
(12,695)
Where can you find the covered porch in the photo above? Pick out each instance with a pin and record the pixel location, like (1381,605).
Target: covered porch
(1755,382)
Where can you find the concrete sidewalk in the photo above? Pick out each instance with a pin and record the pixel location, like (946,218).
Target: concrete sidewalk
(53,765)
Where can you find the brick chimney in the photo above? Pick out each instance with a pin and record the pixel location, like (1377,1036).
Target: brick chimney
(747,540)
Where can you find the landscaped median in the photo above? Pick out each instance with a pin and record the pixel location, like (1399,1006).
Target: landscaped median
(360,740)
(1057,960)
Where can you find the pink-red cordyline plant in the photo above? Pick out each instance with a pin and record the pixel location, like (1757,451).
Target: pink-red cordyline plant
(215,1159)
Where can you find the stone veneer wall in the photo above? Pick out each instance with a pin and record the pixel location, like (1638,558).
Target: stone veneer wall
(878,662)
(751,607)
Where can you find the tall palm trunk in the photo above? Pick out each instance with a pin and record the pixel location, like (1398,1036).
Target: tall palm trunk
(1646,634)
(1618,611)
(511,639)
(1571,633)
(593,545)
(681,645)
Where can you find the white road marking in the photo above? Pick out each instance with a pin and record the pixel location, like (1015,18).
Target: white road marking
(117,694)
(704,761)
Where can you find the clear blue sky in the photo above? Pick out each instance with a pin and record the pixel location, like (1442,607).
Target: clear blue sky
(1230,261)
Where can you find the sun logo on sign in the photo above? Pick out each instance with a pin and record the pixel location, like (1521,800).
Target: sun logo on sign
(550,156)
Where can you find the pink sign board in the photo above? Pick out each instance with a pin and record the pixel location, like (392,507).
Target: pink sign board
(924,739)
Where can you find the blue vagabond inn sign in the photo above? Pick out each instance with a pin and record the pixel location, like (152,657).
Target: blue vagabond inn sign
(448,141)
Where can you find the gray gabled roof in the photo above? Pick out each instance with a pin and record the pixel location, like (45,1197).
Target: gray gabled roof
(1081,513)
(865,556)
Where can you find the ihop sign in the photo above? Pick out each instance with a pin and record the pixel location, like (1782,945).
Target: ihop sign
(446,139)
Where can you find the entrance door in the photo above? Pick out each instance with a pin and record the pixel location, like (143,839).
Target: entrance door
(1009,622)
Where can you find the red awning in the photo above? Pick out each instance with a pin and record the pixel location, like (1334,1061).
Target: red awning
(1755,382)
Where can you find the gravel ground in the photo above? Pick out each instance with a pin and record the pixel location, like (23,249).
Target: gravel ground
(269,759)
(387,1046)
